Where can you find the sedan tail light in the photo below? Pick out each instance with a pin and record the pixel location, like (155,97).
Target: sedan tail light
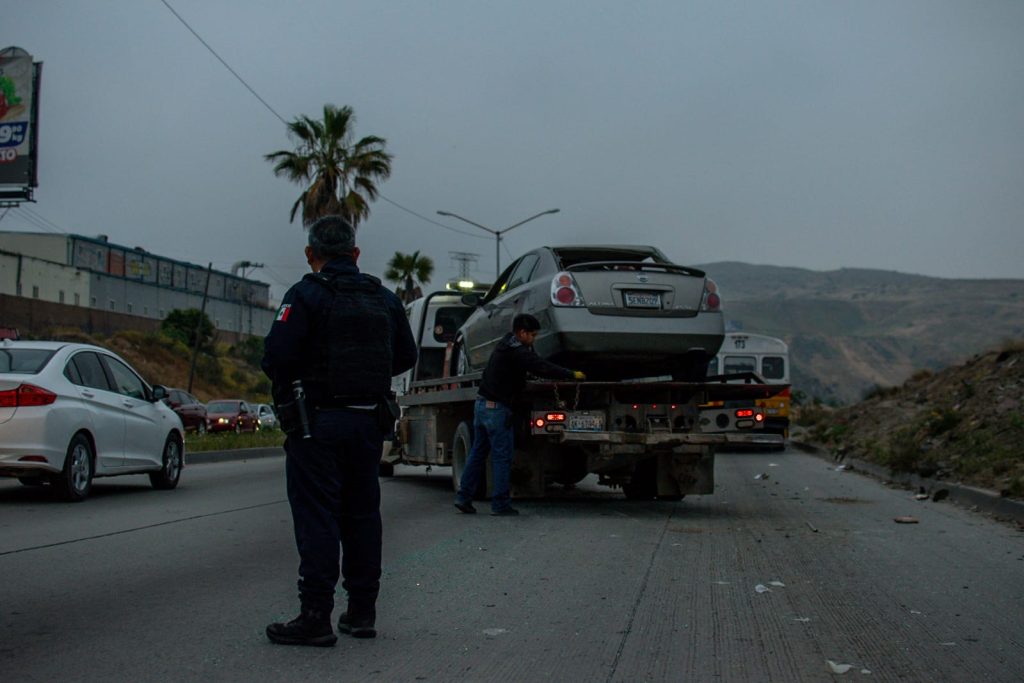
(712,301)
(26,395)
(565,292)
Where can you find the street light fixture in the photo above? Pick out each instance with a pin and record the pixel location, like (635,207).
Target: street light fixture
(497,233)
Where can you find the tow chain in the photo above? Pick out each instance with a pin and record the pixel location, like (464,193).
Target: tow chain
(560,404)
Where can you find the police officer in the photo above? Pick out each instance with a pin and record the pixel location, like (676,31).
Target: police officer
(343,336)
(503,379)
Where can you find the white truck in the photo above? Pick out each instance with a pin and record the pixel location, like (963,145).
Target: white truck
(649,436)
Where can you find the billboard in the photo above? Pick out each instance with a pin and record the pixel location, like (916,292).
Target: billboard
(19,114)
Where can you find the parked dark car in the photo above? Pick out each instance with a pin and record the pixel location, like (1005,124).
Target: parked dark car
(190,409)
(614,311)
(231,415)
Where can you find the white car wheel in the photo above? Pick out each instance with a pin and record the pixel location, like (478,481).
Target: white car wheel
(171,463)
(75,481)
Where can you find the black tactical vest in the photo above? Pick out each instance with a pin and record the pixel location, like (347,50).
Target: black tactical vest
(354,354)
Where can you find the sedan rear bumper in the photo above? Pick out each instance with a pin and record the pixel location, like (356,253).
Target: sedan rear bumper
(576,331)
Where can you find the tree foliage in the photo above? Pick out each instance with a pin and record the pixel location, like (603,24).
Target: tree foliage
(407,270)
(338,176)
(181,324)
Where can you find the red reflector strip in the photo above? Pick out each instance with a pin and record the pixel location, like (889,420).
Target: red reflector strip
(32,458)
(555,417)
(745,412)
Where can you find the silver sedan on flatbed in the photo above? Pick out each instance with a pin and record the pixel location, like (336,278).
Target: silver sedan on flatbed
(615,312)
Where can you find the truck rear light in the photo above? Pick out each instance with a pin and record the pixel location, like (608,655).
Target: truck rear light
(555,417)
(745,412)
(759,417)
(712,300)
(539,423)
(26,395)
(564,291)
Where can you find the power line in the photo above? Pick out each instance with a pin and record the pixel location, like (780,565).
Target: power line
(281,119)
(430,220)
(36,222)
(221,60)
(43,218)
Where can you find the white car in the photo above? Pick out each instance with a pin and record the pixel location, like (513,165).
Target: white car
(72,412)
(265,416)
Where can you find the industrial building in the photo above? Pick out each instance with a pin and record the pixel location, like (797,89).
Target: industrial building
(95,273)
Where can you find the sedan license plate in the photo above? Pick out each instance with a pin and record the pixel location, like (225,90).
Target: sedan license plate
(585,422)
(643,299)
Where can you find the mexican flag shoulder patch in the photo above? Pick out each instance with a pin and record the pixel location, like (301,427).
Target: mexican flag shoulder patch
(282,313)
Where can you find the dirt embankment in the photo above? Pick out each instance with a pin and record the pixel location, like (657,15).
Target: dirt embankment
(224,372)
(964,423)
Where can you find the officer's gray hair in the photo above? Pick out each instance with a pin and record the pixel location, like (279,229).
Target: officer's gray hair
(332,236)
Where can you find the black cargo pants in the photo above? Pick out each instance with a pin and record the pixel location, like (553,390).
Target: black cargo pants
(335,499)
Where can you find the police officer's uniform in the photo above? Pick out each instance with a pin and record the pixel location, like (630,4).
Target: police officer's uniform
(344,336)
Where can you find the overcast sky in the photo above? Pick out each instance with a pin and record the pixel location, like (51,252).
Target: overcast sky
(873,134)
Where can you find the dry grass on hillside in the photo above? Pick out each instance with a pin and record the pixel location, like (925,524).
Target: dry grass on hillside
(964,423)
(161,360)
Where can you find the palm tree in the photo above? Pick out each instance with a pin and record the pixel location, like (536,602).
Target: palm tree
(339,176)
(407,270)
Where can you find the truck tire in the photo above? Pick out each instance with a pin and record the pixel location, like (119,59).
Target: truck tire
(461,445)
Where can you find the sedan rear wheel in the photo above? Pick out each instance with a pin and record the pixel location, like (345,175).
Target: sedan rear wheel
(75,481)
(170,469)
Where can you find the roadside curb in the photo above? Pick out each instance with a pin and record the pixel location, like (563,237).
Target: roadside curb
(234,454)
(962,495)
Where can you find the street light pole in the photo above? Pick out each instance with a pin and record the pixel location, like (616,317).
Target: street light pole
(497,233)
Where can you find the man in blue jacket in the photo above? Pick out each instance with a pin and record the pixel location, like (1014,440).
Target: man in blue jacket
(503,379)
(341,336)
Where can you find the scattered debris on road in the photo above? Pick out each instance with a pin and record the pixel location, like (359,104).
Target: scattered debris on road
(906,519)
(812,527)
(761,588)
(838,668)
(763,475)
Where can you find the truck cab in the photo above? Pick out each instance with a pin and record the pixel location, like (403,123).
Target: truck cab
(434,319)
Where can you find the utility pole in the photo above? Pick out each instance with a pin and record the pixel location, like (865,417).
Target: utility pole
(464,259)
(199,326)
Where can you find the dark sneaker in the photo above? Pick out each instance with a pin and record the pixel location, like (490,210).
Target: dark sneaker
(358,626)
(309,628)
(505,512)
(466,508)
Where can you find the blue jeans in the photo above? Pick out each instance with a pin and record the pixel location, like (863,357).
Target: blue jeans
(492,430)
(335,499)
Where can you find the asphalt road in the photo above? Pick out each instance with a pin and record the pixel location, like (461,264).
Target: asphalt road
(138,584)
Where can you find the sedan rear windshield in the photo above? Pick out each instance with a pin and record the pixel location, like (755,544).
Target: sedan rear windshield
(24,361)
(222,407)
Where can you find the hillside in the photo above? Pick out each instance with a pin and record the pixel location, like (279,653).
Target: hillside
(852,329)
(230,372)
(964,423)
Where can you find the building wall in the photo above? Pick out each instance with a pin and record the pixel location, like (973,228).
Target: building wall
(40,245)
(38,319)
(115,279)
(43,280)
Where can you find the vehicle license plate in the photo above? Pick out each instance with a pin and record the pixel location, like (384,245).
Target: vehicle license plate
(643,299)
(585,422)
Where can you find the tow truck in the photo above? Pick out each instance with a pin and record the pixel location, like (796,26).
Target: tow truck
(649,436)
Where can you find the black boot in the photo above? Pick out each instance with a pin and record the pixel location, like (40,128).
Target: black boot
(358,624)
(311,627)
